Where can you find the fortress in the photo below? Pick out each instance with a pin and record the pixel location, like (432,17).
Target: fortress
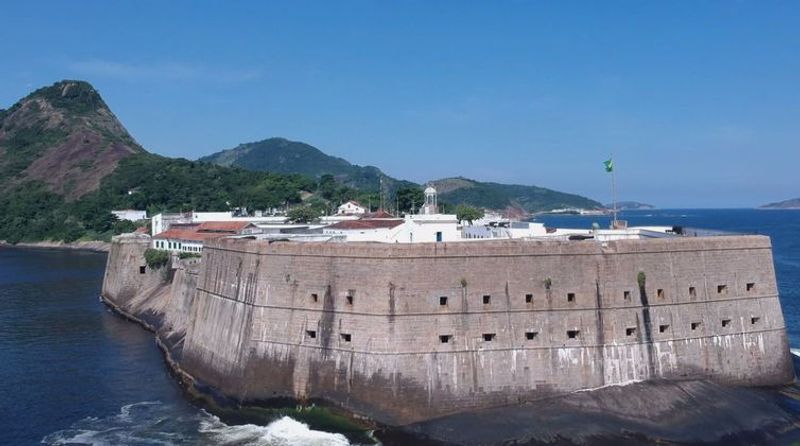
(402,333)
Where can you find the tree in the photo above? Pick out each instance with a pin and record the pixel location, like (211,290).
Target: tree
(409,198)
(468,213)
(327,186)
(302,214)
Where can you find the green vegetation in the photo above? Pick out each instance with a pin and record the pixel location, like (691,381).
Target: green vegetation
(30,212)
(283,156)
(75,97)
(501,196)
(156,258)
(303,214)
(409,198)
(468,213)
(188,255)
(641,279)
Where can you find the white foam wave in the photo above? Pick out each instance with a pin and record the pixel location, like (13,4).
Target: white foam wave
(155,423)
(283,432)
(795,351)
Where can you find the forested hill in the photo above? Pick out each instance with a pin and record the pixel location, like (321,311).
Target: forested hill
(66,162)
(508,196)
(284,156)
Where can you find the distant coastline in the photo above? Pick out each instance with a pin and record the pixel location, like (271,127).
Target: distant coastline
(793,203)
(93,245)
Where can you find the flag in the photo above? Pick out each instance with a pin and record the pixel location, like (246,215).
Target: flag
(609,163)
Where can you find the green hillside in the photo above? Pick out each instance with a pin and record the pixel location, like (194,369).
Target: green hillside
(502,196)
(66,162)
(281,155)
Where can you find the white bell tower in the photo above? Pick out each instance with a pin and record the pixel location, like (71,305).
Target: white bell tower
(431,205)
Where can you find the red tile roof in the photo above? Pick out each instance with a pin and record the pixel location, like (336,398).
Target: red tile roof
(380,213)
(189,234)
(204,231)
(224,226)
(366,224)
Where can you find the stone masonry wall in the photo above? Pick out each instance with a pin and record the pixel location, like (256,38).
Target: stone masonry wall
(363,325)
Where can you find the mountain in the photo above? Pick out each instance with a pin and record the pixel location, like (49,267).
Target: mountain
(63,135)
(503,196)
(66,162)
(794,203)
(630,205)
(284,156)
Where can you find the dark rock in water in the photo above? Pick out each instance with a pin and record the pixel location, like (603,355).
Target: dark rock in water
(684,412)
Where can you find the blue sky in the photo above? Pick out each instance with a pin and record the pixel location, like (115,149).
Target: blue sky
(698,101)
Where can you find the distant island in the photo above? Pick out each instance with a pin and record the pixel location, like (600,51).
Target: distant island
(793,203)
(630,205)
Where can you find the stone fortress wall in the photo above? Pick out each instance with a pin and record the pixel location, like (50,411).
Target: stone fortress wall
(403,333)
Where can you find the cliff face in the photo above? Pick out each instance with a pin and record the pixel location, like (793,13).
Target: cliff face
(406,333)
(63,135)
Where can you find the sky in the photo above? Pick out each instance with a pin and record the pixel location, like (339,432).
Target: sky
(698,102)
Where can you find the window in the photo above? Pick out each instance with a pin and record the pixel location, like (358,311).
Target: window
(754,320)
(663,328)
(696,325)
(488,337)
(573,334)
(692,291)
(630,331)
(528,298)
(443,300)
(349,297)
(346,337)
(487,299)
(439,236)
(726,322)
(751,286)
(531,335)
(722,289)
(315,297)
(444,339)
(142,269)
(660,293)
(570,297)
(626,295)
(311,334)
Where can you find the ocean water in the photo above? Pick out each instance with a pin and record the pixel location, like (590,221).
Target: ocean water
(73,373)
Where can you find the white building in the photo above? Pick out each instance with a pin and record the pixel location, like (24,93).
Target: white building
(130,214)
(429,226)
(190,238)
(162,222)
(351,208)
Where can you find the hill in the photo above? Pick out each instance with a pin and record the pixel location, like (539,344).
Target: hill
(63,135)
(281,155)
(502,196)
(793,203)
(66,162)
(630,205)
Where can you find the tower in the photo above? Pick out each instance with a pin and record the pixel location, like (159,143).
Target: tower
(431,206)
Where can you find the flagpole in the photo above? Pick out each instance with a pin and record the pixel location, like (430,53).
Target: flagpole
(613,193)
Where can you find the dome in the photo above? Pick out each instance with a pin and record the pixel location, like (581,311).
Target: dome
(430,190)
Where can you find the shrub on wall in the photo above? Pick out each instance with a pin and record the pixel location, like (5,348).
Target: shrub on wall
(156,258)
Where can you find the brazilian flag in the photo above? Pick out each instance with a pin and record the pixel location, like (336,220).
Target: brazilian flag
(609,163)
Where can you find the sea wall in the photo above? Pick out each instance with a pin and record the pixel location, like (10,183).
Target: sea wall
(403,333)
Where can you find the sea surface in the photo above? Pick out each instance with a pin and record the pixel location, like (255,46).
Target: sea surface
(72,372)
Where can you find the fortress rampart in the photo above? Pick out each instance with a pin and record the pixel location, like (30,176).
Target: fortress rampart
(407,332)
